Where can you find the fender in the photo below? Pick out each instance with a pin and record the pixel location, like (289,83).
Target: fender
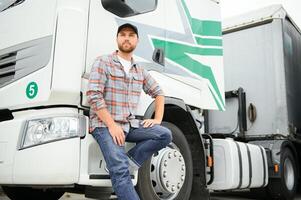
(171,104)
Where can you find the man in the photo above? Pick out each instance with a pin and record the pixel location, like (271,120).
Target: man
(115,84)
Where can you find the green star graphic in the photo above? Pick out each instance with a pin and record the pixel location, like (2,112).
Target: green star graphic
(178,52)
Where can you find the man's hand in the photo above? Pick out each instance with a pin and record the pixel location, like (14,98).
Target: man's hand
(117,134)
(150,122)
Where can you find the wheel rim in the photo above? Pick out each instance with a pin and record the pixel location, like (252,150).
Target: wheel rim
(289,174)
(167,172)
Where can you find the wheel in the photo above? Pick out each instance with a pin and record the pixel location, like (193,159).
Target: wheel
(168,174)
(21,193)
(285,187)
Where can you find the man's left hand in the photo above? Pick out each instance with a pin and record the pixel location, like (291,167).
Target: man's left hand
(150,122)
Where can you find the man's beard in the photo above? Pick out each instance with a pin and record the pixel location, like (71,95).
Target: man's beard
(126,50)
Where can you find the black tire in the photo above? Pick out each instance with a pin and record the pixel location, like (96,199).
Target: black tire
(21,193)
(284,188)
(144,186)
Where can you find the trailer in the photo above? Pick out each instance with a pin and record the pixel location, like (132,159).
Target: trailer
(262,67)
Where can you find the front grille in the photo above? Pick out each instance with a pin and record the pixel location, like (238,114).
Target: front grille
(23,59)
(7,67)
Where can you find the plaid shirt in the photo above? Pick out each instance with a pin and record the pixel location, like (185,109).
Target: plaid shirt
(110,87)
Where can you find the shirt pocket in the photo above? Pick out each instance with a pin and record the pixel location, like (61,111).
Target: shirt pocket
(116,77)
(137,83)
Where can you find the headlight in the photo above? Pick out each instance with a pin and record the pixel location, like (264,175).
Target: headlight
(43,130)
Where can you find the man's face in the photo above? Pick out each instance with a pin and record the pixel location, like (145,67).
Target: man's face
(127,40)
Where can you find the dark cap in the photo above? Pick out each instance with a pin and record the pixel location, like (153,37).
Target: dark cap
(127,25)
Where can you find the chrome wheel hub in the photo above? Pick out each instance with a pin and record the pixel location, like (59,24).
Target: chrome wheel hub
(167,173)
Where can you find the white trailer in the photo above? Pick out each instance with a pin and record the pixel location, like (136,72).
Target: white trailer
(262,67)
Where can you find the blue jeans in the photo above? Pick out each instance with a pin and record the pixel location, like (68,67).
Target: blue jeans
(148,141)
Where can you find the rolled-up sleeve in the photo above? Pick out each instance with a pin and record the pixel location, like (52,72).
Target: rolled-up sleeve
(150,85)
(96,85)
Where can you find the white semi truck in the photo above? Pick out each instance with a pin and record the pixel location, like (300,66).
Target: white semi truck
(46,52)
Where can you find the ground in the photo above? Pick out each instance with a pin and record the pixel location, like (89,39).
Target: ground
(234,196)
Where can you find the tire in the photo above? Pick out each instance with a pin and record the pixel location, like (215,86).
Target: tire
(145,183)
(285,187)
(21,193)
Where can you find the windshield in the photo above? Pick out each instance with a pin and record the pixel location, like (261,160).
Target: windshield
(4,4)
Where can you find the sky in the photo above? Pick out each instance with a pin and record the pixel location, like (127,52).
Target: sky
(235,7)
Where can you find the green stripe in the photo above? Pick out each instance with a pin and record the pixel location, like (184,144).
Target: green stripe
(216,101)
(209,41)
(176,47)
(203,27)
(206,28)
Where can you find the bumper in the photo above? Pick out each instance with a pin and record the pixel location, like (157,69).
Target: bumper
(64,162)
(54,163)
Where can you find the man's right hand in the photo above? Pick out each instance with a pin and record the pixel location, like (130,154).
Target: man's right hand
(115,130)
(117,134)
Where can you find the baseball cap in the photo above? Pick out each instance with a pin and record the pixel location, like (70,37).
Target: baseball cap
(128,25)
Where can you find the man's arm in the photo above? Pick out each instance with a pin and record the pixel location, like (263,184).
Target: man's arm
(159,112)
(152,88)
(159,108)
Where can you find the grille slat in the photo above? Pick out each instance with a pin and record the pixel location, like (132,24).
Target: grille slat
(7,67)
(7,78)
(8,72)
(2,57)
(2,67)
(7,61)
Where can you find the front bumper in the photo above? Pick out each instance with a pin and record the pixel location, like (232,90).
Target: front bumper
(54,163)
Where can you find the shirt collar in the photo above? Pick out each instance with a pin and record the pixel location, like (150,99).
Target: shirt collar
(116,59)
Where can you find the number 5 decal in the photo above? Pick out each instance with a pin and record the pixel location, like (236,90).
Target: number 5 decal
(32,90)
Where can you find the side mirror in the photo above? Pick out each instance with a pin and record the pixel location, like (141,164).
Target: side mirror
(158,56)
(127,8)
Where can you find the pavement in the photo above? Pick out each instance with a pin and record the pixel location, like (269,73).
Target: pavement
(67,196)
(215,196)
